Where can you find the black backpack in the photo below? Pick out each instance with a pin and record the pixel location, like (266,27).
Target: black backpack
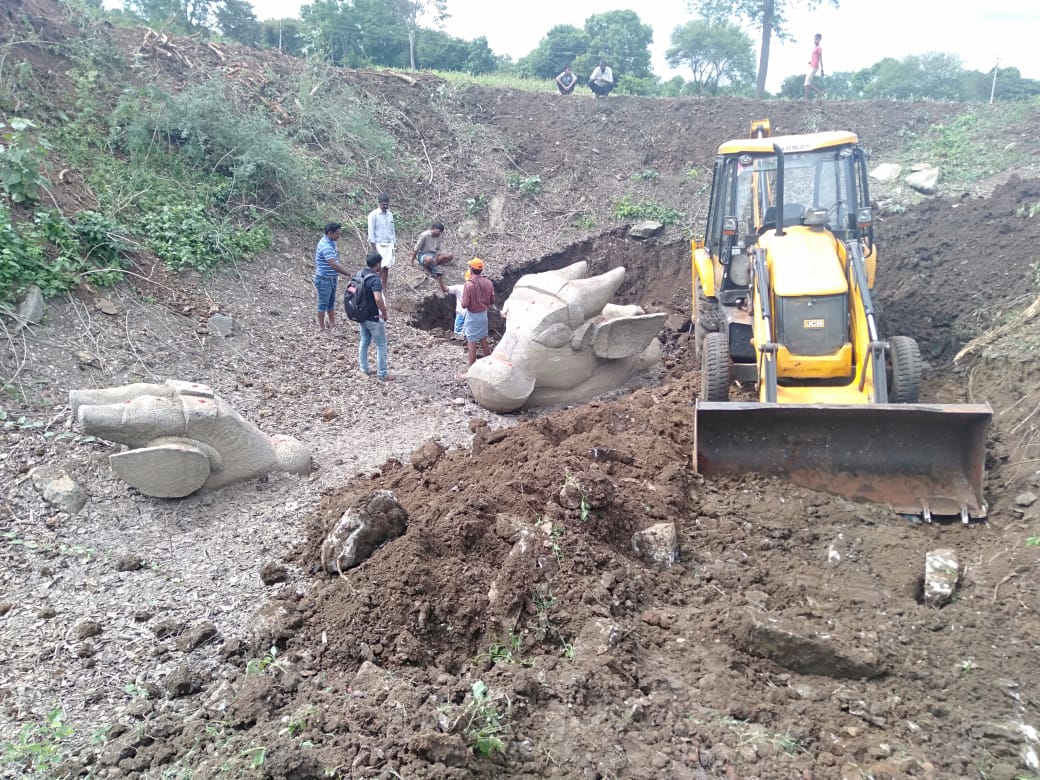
(358,302)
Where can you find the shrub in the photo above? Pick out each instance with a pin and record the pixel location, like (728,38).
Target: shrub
(626,208)
(54,253)
(20,159)
(185,235)
(204,127)
(527,185)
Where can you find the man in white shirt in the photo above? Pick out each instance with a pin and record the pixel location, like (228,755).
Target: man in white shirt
(601,82)
(382,236)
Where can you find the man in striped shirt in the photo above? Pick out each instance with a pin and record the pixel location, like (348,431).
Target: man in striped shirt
(326,273)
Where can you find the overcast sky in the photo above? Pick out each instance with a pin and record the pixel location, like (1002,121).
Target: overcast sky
(858,34)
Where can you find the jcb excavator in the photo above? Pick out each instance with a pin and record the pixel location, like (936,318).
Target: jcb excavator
(782,301)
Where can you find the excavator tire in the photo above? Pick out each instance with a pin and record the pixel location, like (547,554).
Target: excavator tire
(707,319)
(715,368)
(905,374)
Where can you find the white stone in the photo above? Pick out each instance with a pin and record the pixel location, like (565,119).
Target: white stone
(924,181)
(941,575)
(886,172)
(657,545)
(30,310)
(648,228)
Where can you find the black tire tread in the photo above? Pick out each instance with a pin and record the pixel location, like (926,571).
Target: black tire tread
(715,368)
(905,357)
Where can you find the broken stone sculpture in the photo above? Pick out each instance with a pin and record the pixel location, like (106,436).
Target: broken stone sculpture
(182,437)
(564,342)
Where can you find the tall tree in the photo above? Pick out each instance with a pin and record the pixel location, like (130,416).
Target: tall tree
(384,35)
(332,32)
(559,47)
(412,12)
(185,15)
(718,54)
(768,16)
(622,39)
(286,35)
(236,20)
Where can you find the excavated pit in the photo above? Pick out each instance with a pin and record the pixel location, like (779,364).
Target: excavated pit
(657,278)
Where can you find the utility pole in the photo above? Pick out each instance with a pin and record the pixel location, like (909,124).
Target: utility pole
(993,89)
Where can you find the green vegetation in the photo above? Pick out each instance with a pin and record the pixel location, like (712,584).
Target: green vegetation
(964,146)
(268,662)
(627,208)
(1028,210)
(476,204)
(527,185)
(544,602)
(485,728)
(21,157)
(508,652)
(753,734)
(198,178)
(38,749)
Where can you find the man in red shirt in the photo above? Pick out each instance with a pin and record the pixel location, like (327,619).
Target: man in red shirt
(815,64)
(477,297)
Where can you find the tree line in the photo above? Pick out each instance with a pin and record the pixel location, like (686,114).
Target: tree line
(712,50)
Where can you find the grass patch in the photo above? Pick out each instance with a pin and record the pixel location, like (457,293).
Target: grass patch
(964,148)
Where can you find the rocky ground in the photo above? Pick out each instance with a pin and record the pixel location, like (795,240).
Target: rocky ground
(513,630)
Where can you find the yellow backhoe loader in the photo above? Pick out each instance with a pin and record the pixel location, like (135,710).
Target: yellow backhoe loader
(782,301)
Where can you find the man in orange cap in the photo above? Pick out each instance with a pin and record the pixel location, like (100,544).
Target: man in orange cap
(477,297)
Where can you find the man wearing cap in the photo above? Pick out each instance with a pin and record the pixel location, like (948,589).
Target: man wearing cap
(477,297)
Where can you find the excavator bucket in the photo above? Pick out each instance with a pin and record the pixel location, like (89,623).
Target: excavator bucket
(919,459)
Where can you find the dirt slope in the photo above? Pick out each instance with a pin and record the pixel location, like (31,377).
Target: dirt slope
(595,663)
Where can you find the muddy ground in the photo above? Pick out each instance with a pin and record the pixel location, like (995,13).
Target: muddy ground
(201,637)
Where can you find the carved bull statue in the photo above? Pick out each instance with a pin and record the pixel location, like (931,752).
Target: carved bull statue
(564,342)
(182,437)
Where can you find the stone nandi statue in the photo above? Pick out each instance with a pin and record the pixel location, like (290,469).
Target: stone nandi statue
(564,342)
(182,437)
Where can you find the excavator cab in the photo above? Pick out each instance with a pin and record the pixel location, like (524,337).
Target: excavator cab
(783,303)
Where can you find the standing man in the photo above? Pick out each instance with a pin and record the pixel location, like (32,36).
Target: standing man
(565,81)
(374,328)
(326,273)
(460,312)
(382,236)
(477,296)
(601,82)
(428,253)
(815,64)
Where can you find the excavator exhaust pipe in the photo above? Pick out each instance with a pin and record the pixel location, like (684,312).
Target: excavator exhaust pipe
(919,459)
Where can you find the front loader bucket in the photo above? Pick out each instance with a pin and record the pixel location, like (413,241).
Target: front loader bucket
(919,459)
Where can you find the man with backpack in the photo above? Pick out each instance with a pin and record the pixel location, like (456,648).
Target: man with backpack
(368,309)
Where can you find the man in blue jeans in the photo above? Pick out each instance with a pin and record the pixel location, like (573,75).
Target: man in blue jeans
(374,328)
(326,272)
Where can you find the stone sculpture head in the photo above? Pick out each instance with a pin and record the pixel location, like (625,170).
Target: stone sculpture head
(564,342)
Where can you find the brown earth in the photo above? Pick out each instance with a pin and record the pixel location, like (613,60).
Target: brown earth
(222,649)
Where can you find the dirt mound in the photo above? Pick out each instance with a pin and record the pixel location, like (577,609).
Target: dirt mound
(951,268)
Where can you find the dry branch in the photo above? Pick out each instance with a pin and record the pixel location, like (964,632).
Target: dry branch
(990,336)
